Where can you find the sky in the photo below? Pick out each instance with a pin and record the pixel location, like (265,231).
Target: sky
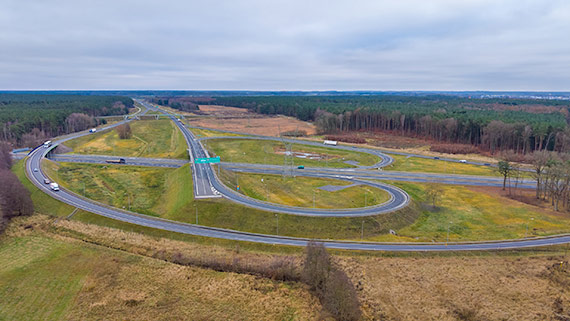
(285,45)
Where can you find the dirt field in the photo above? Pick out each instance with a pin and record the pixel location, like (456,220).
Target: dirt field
(257,125)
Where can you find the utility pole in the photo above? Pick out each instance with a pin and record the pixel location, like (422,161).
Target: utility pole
(365,199)
(362,231)
(196,207)
(277,219)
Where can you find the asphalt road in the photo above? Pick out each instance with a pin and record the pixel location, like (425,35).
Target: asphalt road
(384,152)
(334,173)
(68,197)
(63,195)
(385,160)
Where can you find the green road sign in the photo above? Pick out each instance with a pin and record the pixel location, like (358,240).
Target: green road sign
(210,160)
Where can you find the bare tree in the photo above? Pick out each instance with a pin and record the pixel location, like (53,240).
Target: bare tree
(15,196)
(124,131)
(5,157)
(78,121)
(539,160)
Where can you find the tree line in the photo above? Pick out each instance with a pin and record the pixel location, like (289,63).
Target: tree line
(15,199)
(551,171)
(495,125)
(180,103)
(26,119)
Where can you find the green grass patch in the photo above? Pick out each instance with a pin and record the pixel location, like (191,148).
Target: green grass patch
(425,165)
(299,191)
(170,196)
(211,133)
(476,216)
(273,152)
(150,138)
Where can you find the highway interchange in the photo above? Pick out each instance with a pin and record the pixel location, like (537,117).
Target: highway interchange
(208,185)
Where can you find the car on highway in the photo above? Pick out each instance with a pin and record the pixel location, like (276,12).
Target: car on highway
(301,167)
(436,157)
(36,170)
(46,181)
(487,164)
(463,161)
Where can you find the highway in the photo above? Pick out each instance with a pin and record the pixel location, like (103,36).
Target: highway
(34,160)
(452,179)
(75,200)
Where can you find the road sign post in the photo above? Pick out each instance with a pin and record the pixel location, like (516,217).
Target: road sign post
(207,160)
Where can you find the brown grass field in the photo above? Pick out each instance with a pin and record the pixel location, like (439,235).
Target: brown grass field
(120,277)
(251,123)
(54,271)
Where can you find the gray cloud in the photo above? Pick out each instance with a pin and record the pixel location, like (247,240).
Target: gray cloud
(266,45)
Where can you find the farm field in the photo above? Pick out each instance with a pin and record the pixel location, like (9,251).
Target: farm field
(273,152)
(150,138)
(47,275)
(298,191)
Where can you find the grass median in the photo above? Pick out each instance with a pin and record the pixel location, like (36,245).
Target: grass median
(274,152)
(150,138)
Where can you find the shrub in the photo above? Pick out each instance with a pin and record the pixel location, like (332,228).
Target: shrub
(124,131)
(332,286)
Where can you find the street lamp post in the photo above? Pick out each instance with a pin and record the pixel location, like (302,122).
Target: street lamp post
(362,231)
(448,226)
(196,207)
(526,233)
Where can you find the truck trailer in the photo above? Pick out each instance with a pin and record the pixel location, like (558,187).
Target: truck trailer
(330,142)
(116,161)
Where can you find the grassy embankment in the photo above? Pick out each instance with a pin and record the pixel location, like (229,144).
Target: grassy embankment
(270,152)
(299,191)
(477,213)
(48,273)
(168,193)
(211,133)
(425,165)
(150,138)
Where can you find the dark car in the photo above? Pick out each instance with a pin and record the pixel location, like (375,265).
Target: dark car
(487,164)
(436,157)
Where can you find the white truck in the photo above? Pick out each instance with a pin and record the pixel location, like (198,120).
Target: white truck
(54,187)
(93,130)
(330,142)
(47,144)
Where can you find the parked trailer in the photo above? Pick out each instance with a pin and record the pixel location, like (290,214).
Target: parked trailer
(116,161)
(330,142)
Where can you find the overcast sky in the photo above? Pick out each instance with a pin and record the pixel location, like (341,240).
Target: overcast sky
(285,45)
